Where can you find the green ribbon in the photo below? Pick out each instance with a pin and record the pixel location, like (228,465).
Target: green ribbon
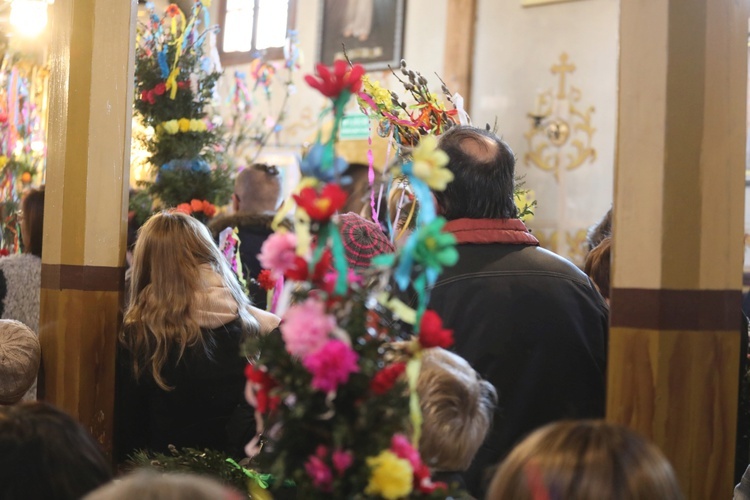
(261,479)
(330,232)
(413,367)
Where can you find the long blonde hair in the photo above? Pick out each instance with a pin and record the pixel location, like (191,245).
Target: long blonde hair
(582,460)
(165,279)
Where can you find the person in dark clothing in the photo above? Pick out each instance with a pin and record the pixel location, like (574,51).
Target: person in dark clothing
(530,322)
(180,378)
(257,191)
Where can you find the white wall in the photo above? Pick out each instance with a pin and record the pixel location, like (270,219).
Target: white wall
(515,48)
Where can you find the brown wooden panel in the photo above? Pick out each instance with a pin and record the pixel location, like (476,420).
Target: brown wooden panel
(88,278)
(679,388)
(676,309)
(78,356)
(459,48)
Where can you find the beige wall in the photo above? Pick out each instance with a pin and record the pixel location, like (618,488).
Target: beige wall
(515,48)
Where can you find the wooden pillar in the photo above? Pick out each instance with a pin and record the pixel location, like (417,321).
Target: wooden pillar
(678,231)
(85,220)
(459,48)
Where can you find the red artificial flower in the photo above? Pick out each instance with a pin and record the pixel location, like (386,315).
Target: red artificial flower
(320,207)
(173,10)
(4,252)
(265,280)
(333,84)
(385,379)
(208,208)
(266,384)
(3,117)
(424,483)
(160,88)
(184,208)
(182,84)
(300,271)
(432,333)
(148,96)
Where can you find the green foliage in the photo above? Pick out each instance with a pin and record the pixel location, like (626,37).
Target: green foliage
(177,186)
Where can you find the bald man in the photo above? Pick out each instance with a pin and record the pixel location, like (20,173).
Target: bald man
(527,320)
(257,192)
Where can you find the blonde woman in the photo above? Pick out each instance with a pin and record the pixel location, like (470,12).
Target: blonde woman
(180,372)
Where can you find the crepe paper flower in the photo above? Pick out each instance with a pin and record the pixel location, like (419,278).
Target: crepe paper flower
(430,164)
(196,205)
(278,253)
(171,127)
(432,333)
(209,209)
(312,164)
(331,365)
(402,448)
(333,84)
(184,208)
(424,483)
(321,206)
(435,249)
(381,96)
(260,384)
(184,124)
(319,472)
(390,476)
(198,126)
(148,96)
(305,327)
(160,88)
(342,460)
(3,117)
(384,380)
(3,161)
(300,270)
(173,10)
(266,281)
(328,283)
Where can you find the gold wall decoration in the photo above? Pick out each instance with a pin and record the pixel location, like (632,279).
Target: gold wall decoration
(547,239)
(577,245)
(561,131)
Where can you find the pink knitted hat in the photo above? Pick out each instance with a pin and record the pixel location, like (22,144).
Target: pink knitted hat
(19,360)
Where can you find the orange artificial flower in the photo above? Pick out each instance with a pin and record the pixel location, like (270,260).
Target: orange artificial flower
(196,205)
(173,10)
(184,208)
(209,209)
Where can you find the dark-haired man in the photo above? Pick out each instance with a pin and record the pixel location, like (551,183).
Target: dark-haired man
(527,320)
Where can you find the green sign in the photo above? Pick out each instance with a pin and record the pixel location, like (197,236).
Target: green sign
(354,127)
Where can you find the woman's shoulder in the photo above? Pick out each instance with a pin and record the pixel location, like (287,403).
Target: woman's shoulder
(20,260)
(21,269)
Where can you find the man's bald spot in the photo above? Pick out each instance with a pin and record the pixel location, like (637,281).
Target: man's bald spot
(257,190)
(480,147)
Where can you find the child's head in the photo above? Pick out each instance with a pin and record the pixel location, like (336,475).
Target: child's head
(579,460)
(145,485)
(457,407)
(19,360)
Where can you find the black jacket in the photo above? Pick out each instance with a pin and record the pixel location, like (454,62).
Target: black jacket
(533,325)
(206,408)
(253,231)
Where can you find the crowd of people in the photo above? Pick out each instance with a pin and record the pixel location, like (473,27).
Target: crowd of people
(512,411)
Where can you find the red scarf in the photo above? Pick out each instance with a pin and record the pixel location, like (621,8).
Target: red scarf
(484,231)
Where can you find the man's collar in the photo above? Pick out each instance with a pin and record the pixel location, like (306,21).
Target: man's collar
(485,231)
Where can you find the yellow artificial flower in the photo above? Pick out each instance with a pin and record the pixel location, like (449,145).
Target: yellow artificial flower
(390,476)
(429,164)
(197,126)
(171,127)
(184,124)
(3,161)
(381,96)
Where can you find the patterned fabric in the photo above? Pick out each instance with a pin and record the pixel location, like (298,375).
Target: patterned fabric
(362,240)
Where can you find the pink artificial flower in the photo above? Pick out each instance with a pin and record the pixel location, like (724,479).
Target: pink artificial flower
(342,460)
(331,365)
(305,327)
(278,253)
(402,448)
(319,472)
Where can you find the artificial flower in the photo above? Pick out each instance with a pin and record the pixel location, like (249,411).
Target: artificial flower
(259,386)
(432,333)
(305,327)
(312,164)
(381,96)
(184,124)
(148,96)
(333,84)
(402,448)
(342,460)
(384,380)
(184,208)
(171,127)
(278,253)
(265,280)
(196,205)
(3,117)
(321,206)
(160,88)
(390,476)
(300,271)
(26,177)
(429,164)
(4,252)
(331,365)
(3,161)
(173,10)
(435,249)
(424,483)
(319,472)
(198,126)
(209,209)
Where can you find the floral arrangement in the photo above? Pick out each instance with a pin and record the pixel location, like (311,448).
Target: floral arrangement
(334,393)
(175,82)
(200,209)
(254,120)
